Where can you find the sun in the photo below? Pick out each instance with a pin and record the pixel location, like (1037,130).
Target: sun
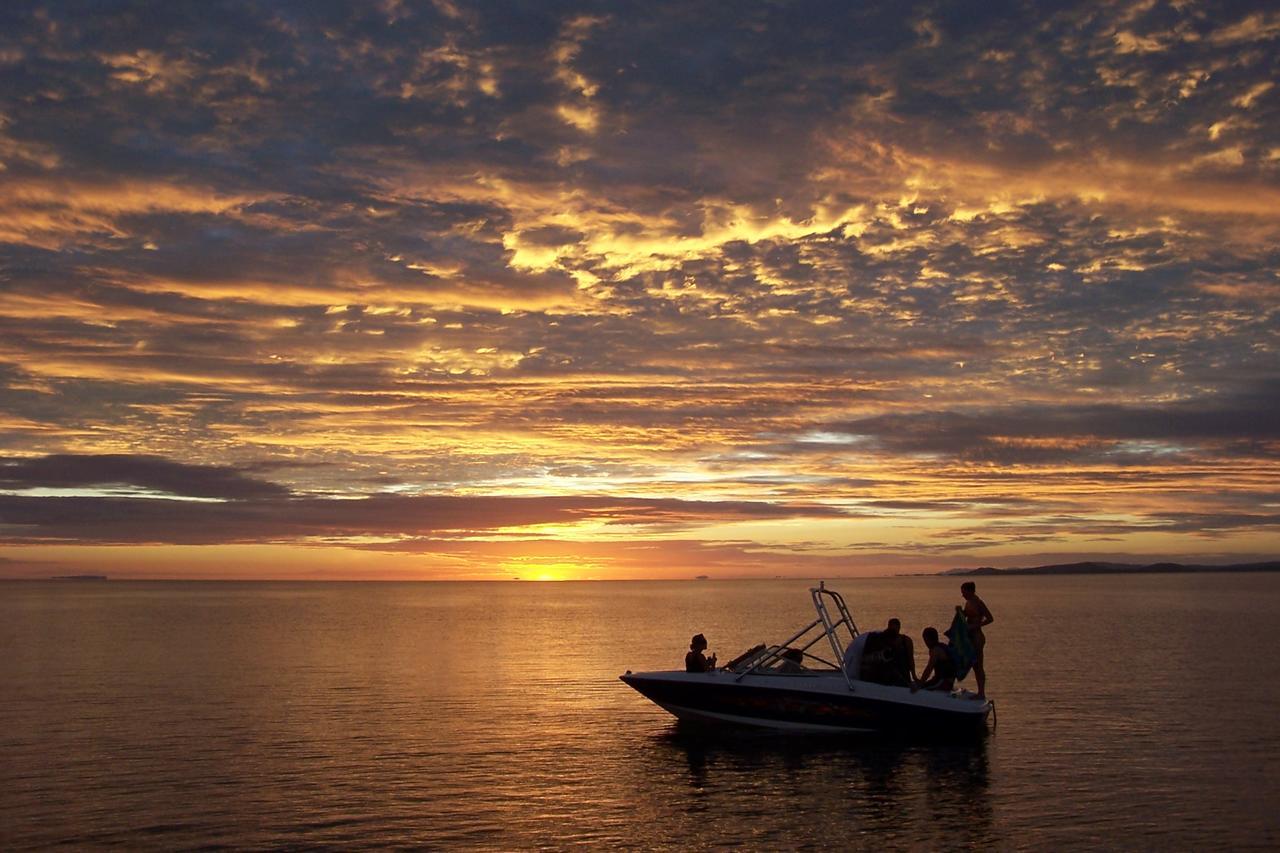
(545,570)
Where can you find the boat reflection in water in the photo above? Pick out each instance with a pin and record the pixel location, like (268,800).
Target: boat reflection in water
(791,687)
(877,788)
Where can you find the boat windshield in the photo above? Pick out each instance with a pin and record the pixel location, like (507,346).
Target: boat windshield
(804,653)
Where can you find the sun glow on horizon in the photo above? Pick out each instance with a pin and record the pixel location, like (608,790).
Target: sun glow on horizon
(532,569)
(768,309)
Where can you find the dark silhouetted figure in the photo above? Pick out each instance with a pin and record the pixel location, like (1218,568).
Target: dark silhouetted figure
(976,616)
(903,654)
(889,657)
(695,661)
(940,672)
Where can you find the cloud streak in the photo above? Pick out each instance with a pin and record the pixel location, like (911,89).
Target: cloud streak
(887,265)
(247,510)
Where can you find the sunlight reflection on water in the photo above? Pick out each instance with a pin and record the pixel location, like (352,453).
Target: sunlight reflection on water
(171,715)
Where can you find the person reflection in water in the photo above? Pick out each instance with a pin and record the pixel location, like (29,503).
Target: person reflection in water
(977,616)
(695,661)
(940,672)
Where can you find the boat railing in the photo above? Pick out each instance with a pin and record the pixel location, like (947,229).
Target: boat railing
(820,594)
(824,600)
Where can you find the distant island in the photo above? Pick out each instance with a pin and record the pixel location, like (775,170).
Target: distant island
(1090,568)
(78,578)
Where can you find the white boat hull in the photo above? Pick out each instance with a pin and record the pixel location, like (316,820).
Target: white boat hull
(808,703)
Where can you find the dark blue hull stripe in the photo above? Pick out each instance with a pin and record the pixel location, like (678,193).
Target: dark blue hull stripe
(802,707)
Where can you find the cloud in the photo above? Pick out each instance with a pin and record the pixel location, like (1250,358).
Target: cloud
(1077,433)
(354,521)
(65,471)
(860,260)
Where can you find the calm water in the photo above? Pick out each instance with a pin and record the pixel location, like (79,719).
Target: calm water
(1134,712)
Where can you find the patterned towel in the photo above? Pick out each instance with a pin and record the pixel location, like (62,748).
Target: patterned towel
(961,647)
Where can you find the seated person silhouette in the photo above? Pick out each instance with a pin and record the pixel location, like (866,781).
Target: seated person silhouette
(889,657)
(940,672)
(874,661)
(695,661)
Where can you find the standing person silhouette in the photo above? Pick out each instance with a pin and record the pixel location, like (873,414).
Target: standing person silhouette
(976,616)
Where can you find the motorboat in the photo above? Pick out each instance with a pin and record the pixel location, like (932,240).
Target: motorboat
(792,686)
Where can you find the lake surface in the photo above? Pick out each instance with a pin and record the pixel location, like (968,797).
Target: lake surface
(1134,712)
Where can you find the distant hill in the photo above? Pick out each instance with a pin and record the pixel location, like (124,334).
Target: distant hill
(1119,569)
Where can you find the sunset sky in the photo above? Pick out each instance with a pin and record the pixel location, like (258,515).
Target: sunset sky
(602,290)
